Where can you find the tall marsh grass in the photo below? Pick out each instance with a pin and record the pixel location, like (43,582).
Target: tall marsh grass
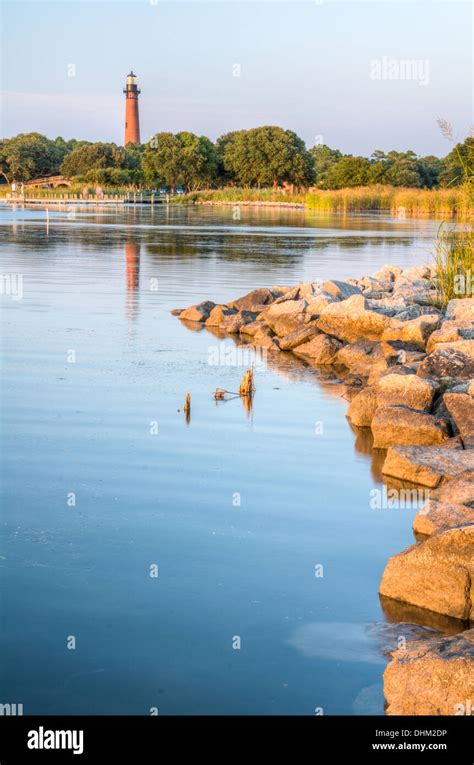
(454,262)
(436,203)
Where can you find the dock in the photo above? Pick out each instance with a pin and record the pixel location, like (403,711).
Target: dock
(95,200)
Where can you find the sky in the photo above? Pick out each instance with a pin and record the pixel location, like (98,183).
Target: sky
(357,76)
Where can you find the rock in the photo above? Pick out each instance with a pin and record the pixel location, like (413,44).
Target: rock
(460,309)
(401,425)
(253,300)
(399,352)
(428,465)
(463,346)
(318,303)
(417,272)
(251,328)
(350,320)
(454,442)
(437,574)
(233,323)
(340,290)
(460,407)
(218,314)
(416,331)
(405,390)
(414,311)
(388,272)
(447,362)
(269,342)
(470,389)
(176,311)
(362,407)
(431,676)
(307,290)
(360,356)
(371,285)
(320,350)
(198,313)
(450,332)
(435,515)
(459,491)
(284,318)
(299,337)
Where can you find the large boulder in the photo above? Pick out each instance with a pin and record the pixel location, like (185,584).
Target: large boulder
(460,309)
(463,346)
(388,273)
(351,320)
(298,337)
(416,331)
(432,676)
(251,328)
(406,390)
(233,323)
(360,356)
(450,332)
(447,362)
(370,285)
(254,300)
(340,290)
(199,312)
(437,574)
(284,318)
(218,314)
(460,408)
(401,425)
(413,311)
(320,350)
(317,303)
(428,465)
(362,407)
(450,505)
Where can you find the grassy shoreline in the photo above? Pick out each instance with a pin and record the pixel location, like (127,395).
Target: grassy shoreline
(439,203)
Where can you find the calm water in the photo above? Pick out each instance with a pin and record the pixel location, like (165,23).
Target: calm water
(101,286)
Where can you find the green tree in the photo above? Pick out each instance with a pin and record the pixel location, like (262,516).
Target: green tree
(348,172)
(182,159)
(92,156)
(458,166)
(29,155)
(430,169)
(324,158)
(267,156)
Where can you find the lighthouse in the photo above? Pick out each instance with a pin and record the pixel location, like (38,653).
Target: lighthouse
(132,122)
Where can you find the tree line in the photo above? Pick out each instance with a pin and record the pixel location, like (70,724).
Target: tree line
(260,158)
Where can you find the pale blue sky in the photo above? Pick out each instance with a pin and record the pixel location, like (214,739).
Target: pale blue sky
(303,65)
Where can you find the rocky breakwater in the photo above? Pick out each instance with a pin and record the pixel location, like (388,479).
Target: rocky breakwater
(407,365)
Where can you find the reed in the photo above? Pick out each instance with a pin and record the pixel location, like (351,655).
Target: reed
(453,203)
(454,263)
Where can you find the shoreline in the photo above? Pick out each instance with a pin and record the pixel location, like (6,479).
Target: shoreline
(407,367)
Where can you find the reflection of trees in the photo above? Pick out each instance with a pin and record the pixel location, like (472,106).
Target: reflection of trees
(183,232)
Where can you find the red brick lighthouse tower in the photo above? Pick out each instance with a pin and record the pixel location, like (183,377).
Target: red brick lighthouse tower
(132,122)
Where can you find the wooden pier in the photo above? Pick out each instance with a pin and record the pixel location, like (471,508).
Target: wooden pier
(47,199)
